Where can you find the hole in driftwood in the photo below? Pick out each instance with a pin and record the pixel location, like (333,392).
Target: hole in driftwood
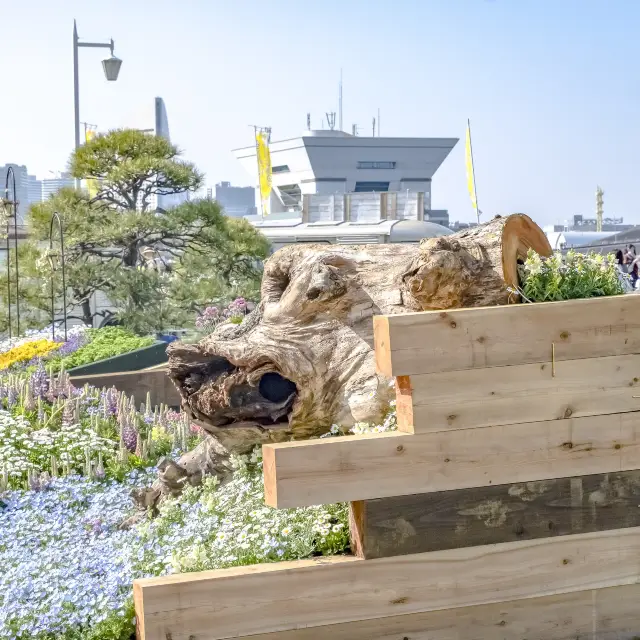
(275,388)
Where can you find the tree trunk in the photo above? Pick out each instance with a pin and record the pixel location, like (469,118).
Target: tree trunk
(87,315)
(303,360)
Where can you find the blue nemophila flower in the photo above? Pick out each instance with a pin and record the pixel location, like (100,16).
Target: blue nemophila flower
(58,574)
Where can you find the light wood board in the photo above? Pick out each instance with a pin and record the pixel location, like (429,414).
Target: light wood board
(599,614)
(351,468)
(285,596)
(436,341)
(487,515)
(523,393)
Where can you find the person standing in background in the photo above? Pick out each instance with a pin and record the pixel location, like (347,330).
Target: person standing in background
(630,255)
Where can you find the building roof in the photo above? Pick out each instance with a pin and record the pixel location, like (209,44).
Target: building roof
(294,230)
(334,155)
(567,239)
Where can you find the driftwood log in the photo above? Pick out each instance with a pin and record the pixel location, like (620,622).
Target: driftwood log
(303,359)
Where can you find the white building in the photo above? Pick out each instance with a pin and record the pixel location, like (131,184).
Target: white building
(53,185)
(329,162)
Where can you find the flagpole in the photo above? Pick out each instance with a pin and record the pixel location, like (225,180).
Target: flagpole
(473,170)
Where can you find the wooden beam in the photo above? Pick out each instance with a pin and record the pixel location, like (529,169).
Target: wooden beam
(522,393)
(351,468)
(487,515)
(286,596)
(599,614)
(435,341)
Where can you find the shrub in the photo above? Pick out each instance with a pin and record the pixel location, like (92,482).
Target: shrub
(103,343)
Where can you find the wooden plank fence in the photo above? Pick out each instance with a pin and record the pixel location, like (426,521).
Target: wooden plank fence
(507,507)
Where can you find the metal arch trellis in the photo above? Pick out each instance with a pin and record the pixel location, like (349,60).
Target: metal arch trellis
(56,218)
(14,215)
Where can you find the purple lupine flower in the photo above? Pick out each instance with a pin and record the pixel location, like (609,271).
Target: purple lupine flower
(129,438)
(68,414)
(40,381)
(12,397)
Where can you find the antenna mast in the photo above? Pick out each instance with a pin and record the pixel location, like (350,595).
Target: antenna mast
(340,104)
(331,120)
(378,122)
(599,208)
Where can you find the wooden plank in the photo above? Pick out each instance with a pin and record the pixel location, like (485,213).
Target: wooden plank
(286,596)
(487,515)
(436,341)
(599,614)
(523,393)
(351,468)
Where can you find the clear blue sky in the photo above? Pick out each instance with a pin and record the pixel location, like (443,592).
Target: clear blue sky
(551,86)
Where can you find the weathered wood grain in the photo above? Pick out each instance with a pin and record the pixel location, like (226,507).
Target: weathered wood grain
(353,468)
(523,393)
(487,515)
(286,596)
(437,341)
(600,614)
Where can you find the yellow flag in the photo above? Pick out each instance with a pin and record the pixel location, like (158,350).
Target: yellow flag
(471,179)
(92,184)
(264,169)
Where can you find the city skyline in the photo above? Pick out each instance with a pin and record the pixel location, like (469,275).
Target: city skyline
(552,114)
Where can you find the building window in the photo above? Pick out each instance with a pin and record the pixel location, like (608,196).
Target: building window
(281,168)
(365,187)
(366,164)
(290,195)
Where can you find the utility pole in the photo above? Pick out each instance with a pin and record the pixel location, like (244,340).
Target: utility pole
(111,67)
(340,104)
(599,208)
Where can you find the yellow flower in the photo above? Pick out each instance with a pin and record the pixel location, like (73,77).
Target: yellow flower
(27,351)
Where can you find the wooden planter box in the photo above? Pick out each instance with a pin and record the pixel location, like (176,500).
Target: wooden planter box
(505,508)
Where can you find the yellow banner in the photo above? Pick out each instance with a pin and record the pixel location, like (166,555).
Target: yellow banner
(471,180)
(92,184)
(264,170)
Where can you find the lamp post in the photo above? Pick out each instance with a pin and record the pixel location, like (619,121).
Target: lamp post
(111,67)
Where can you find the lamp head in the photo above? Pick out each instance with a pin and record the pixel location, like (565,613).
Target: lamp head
(111,68)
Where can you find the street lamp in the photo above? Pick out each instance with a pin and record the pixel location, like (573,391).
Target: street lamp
(111,67)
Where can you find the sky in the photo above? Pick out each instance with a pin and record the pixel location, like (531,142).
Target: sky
(550,86)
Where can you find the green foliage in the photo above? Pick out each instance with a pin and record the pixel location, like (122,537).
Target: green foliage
(576,275)
(157,267)
(132,167)
(103,343)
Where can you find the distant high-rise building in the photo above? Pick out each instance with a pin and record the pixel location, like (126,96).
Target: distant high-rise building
(236,201)
(52,185)
(162,129)
(22,188)
(34,189)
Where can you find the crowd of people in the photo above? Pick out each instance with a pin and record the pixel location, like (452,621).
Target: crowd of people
(629,265)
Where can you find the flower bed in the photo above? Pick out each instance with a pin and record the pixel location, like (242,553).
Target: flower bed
(83,346)
(69,563)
